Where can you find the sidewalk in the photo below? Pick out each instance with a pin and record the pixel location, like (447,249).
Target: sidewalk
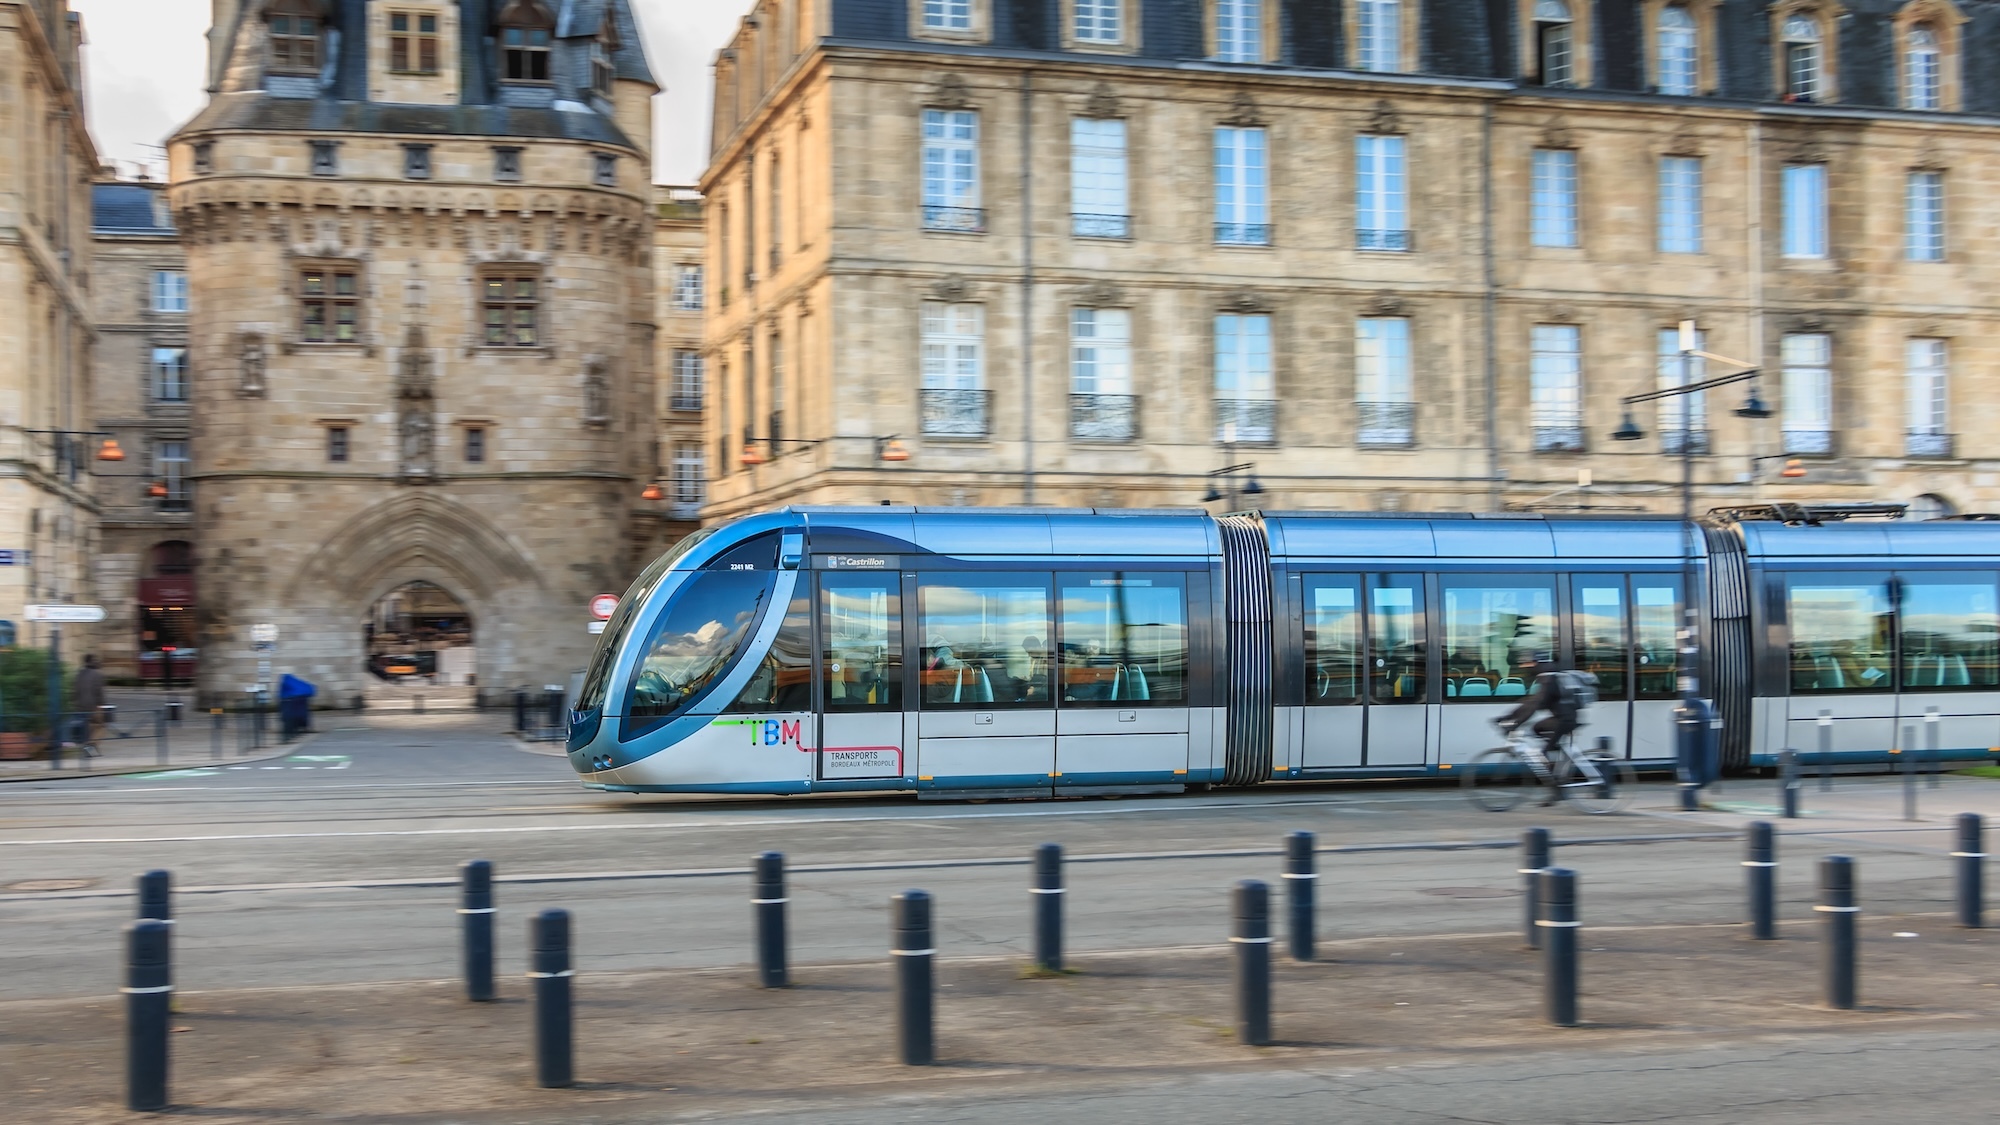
(1871,803)
(135,745)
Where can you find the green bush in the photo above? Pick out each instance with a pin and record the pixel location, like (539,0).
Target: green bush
(24,690)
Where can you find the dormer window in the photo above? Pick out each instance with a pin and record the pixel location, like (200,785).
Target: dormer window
(1923,70)
(601,72)
(1554,44)
(295,32)
(525,31)
(1802,59)
(413,42)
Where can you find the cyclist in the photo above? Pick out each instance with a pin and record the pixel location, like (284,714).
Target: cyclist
(1564,695)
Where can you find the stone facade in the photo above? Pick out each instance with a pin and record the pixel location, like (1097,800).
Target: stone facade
(423,330)
(926,228)
(140,397)
(679,469)
(48,517)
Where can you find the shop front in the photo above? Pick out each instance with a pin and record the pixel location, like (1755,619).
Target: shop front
(167,653)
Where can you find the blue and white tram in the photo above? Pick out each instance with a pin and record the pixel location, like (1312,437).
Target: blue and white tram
(1034,652)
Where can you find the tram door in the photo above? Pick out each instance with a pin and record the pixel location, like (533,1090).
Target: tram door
(1122,678)
(1334,715)
(1494,626)
(1397,721)
(862,733)
(987,717)
(1657,617)
(1600,638)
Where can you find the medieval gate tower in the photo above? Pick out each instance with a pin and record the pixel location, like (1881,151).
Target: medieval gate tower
(418,250)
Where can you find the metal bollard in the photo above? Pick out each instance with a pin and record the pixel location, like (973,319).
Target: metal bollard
(913,953)
(1300,879)
(1251,934)
(1559,947)
(1826,751)
(162,752)
(1971,856)
(1838,931)
(1788,783)
(215,732)
(1908,755)
(767,900)
(555,1024)
(1048,898)
(475,916)
(1932,752)
(156,899)
(149,997)
(1760,867)
(1535,847)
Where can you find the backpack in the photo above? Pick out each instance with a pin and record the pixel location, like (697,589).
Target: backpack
(1575,691)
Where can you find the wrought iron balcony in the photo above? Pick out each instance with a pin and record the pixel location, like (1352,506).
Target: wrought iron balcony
(1246,421)
(1243,234)
(1684,441)
(956,412)
(1100,226)
(1808,440)
(1556,436)
(1392,240)
(1104,417)
(1940,446)
(686,400)
(1385,425)
(958,220)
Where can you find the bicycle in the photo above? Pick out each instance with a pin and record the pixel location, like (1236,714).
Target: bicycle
(1593,783)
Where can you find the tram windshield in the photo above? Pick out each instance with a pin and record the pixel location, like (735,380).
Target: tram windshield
(697,639)
(598,677)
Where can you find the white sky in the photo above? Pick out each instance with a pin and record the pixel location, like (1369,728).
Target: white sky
(146,59)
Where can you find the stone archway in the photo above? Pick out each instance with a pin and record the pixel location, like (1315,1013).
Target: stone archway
(420,633)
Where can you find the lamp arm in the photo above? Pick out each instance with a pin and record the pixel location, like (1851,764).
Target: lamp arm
(1692,388)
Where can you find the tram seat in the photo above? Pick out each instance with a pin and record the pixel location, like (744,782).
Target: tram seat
(1135,683)
(1477,686)
(1450,690)
(1512,685)
(982,686)
(1827,674)
(1956,674)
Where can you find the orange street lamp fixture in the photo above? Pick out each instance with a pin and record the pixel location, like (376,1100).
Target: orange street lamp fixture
(751,456)
(653,492)
(109,451)
(1793,469)
(157,490)
(890,449)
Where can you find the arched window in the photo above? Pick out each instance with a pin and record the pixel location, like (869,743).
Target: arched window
(1678,55)
(525,30)
(1802,58)
(1923,70)
(1554,51)
(296,27)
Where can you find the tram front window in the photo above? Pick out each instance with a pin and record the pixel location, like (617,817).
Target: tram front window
(783,679)
(598,678)
(697,639)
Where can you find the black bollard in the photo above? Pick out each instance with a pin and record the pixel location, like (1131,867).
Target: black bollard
(1535,847)
(1788,783)
(1300,879)
(555,1024)
(149,997)
(768,900)
(913,953)
(1933,755)
(1826,751)
(1838,931)
(1559,947)
(1908,760)
(475,917)
(1971,856)
(1048,898)
(1760,867)
(156,903)
(1252,937)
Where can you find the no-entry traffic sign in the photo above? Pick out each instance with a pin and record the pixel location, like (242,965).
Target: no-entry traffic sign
(603,606)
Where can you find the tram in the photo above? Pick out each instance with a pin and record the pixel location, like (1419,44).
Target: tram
(978,653)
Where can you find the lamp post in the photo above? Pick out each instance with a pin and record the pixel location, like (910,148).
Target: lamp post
(1222,485)
(1695,715)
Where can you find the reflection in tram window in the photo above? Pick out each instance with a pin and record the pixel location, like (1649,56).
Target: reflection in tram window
(1598,618)
(985,641)
(1492,633)
(1656,626)
(1397,658)
(783,679)
(1333,640)
(1124,639)
(863,624)
(1951,633)
(1840,633)
(704,626)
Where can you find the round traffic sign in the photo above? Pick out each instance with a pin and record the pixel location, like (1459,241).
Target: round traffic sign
(603,605)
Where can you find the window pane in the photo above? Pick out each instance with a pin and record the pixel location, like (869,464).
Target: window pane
(1805,211)
(1124,639)
(1398,662)
(1382,359)
(1840,633)
(1597,619)
(862,615)
(783,679)
(1677,70)
(1951,632)
(985,641)
(1333,639)
(707,622)
(1680,204)
(1553,209)
(1656,626)
(1924,217)
(1493,628)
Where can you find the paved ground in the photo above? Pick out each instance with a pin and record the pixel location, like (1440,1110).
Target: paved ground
(336,866)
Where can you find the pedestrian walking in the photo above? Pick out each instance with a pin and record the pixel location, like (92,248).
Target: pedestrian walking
(87,699)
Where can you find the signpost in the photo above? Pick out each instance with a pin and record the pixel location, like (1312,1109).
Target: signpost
(263,642)
(64,614)
(603,606)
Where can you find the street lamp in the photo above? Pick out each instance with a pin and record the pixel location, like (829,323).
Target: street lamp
(1222,484)
(1695,714)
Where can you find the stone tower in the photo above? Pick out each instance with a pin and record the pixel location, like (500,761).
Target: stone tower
(418,238)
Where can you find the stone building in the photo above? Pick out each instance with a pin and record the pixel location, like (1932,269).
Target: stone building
(48,518)
(1371,253)
(419,240)
(140,398)
(679,472)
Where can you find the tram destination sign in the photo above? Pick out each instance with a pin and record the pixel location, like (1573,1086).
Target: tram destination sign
(857,562)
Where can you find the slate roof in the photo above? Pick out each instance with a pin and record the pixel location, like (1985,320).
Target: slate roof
(126,209)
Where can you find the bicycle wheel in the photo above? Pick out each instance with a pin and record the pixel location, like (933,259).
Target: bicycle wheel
(1497,780)
(1612,793)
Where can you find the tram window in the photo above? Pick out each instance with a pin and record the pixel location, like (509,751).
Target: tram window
(1951,633)
(597,681)
(704,626)
(1840,634)
(1597,620)
(1493,629)
(1656,628)
(1398,656)
(862,616)
(783,679)
(985,641)
(1124,639)
(1333,639)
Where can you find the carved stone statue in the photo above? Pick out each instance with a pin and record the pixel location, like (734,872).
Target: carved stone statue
(413,380)
(250,367)
(596,392)
(419,443)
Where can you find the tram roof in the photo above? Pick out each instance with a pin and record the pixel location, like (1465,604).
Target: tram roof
(1872,539)
(1468,536)
(1001,532)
